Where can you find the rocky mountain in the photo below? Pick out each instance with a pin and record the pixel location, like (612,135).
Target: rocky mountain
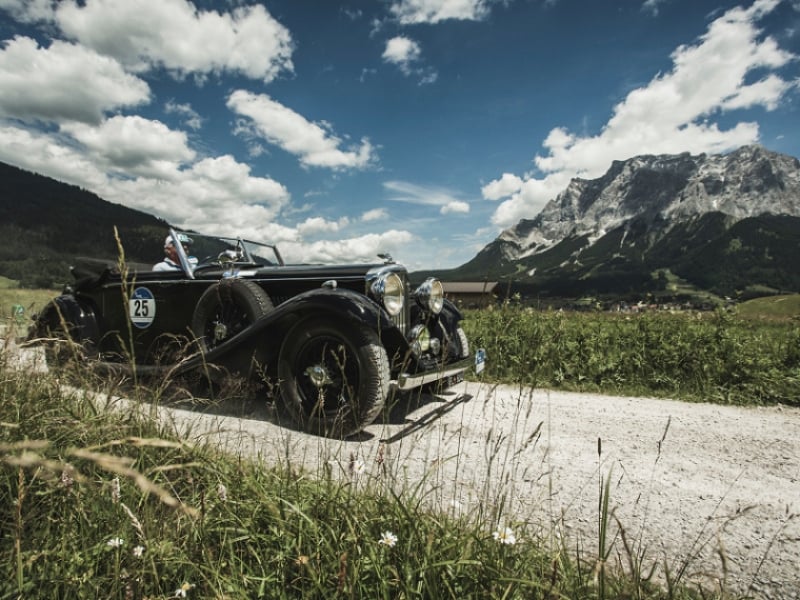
(723,223)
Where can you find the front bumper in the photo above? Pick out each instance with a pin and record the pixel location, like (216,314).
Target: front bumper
(409,381)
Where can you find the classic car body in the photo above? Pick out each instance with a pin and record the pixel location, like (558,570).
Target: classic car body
(337,339)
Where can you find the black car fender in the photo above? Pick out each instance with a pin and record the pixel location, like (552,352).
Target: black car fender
(338,304)
(68,312)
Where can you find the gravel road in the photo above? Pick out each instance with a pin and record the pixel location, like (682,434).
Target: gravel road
(709,489)
(713,490)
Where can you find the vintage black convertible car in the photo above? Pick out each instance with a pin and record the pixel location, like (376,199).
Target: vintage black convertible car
(338,340)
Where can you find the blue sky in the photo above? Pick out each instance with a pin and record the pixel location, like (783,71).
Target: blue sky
(422,128)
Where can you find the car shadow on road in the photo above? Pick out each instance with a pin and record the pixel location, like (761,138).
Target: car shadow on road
(400,413)
(402,409)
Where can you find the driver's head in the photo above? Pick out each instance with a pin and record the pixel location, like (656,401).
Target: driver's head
(169,245)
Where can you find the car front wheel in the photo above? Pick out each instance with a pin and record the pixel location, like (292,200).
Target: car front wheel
(334,377)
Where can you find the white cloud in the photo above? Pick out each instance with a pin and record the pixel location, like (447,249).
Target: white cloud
(673,113)
(410,12)
(312,143)
(360,249)
(507,185)
(176,35)
(192,118)
(406,54)
(402,51)
(457,206)
(426,195)
(29,11)
(63,82)
(215,195)
(134,145)
(49,155)
(318,225)
(375,214)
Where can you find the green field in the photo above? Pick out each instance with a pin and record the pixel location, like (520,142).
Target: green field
(711,356)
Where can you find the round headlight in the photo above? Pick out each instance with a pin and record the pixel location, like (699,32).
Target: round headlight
(430,295)
(388,289)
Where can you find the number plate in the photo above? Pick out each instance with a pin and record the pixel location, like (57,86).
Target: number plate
(480,360)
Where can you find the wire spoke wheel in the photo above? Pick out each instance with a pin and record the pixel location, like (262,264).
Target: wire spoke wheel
(334,380)
(226,309)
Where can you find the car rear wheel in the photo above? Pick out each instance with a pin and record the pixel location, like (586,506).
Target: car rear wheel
(334,378)
(226,309)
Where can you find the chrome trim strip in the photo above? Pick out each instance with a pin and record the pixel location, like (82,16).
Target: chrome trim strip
(407,381)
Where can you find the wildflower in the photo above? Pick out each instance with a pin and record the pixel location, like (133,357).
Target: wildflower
(222,492)
(181,591)
(115,491)
(388,539)
(505,536)
(66,478)
(114,542)
(138,551)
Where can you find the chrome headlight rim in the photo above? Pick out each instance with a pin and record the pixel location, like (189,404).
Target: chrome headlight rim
(430,295)
(388,290)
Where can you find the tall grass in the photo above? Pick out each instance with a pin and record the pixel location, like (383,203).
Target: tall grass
(709,357)
(98,503)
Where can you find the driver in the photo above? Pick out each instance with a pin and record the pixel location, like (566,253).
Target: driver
(171,260)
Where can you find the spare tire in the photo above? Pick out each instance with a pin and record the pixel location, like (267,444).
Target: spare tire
(228,308)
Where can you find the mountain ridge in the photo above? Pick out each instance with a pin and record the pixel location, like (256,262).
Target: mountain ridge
(657,212)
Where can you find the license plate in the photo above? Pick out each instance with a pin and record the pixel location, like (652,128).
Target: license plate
(480,360)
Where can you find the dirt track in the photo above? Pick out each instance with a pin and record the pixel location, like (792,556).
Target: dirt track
(688,481)
(717,486)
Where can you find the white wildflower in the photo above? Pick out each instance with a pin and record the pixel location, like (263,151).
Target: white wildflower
(66,478)
(505,536)
(115,542)
(181,591)
(388,539)
(138,551)
(115,490)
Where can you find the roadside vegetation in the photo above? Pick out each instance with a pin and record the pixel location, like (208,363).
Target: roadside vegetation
(700,356)
(98,503)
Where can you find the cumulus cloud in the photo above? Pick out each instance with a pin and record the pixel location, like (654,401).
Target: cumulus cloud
(457,206)
(403,191)
(191,118)
(406,54)
(411,12)
(375,214)
(358,249)
(175,35)
(507,185)
(63,82)
(402,51)
(49,155)
(673,113)
(134,145)
(313,143)
(218,195)
(318,225)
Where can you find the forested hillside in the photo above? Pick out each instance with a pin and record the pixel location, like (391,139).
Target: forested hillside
(44,224)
